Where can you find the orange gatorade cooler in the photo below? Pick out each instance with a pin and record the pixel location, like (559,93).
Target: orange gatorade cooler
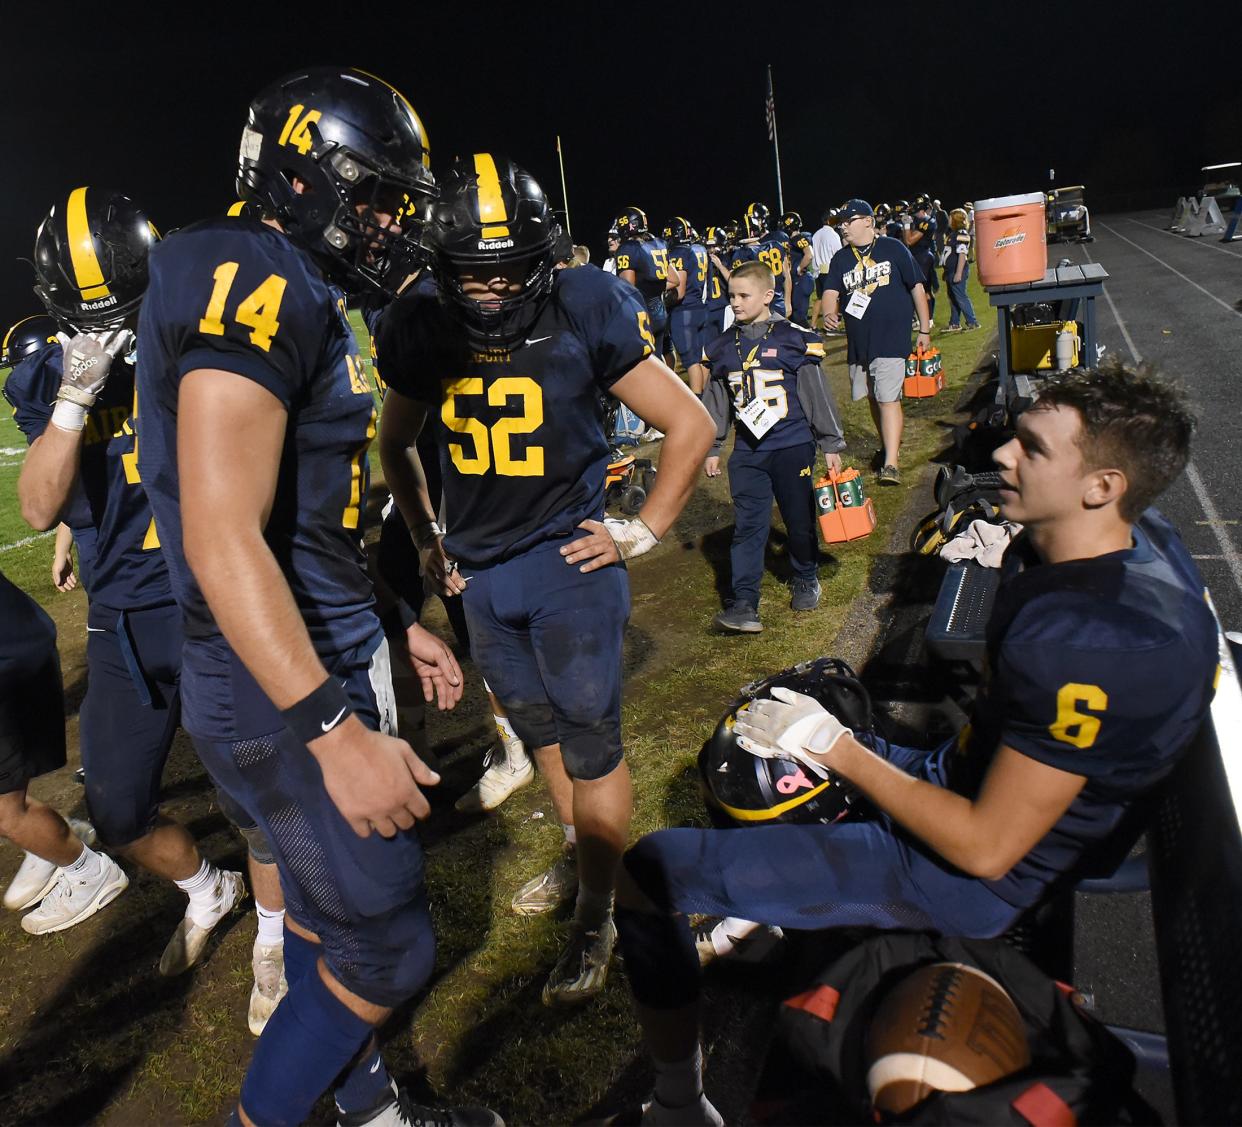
(1011,239)
(844,513)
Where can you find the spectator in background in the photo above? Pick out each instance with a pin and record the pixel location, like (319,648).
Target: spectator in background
(957,271)
(824,244)
(920,237)
(882,288)
(614,242)
(582,256)
(942,229)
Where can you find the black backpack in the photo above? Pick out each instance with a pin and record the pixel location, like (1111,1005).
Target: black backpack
(1079,1072)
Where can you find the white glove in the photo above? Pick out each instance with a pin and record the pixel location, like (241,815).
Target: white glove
(87,360)
(632,537)
(792,726)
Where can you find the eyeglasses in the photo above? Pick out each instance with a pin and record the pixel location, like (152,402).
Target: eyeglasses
(852,218)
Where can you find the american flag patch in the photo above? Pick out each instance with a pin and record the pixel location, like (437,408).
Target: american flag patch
(768,352)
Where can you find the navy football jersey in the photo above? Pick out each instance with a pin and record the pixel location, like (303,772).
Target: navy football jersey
(772,251)
(691,258)
(236,295)
(648,258)
(716,289)
(108,512)
(1101,667)
(523,451)
(799,244)
(924,251)
(761,361)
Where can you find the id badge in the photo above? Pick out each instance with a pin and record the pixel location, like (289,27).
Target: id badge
(758,417)
(857,305)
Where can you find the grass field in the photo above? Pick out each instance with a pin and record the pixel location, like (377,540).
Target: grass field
(130,1047)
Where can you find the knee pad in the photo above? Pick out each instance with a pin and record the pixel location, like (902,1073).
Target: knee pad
(534,723)
(660,960)
(592,751)
(119,814)
(391,957)
(258,845)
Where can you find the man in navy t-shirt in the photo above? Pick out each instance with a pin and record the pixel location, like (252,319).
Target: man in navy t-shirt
(1102,659)
(882,287)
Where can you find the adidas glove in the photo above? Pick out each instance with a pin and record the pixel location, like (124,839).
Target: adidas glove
(87,360)
(632,537)
(791,726)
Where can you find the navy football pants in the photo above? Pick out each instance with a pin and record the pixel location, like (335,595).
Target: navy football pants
(363,897)
(548,639)
(849,874)
(755,478)
(129,716)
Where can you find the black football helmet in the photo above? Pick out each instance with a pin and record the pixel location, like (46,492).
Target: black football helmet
(755,221)
(883,213)
(492,214)
(679,229)
(742,789)
(631,223)
(361,154)
(791,223)
(923,203)
(26,338)
(732,232)
(90,259)
(901,207)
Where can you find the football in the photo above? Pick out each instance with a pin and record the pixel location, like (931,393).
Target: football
(946,1027)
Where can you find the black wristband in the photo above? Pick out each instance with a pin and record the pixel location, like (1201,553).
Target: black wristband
(318,713)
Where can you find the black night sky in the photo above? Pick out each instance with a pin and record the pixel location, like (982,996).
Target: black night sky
(657,105)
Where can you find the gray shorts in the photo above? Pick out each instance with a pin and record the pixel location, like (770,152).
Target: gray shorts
(881,378)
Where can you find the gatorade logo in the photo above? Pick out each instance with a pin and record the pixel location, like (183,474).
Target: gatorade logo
(1011,238)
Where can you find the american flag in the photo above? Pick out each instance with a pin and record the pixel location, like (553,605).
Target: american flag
(770,109)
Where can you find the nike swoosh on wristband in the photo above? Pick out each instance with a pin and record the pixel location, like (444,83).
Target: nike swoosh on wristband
(537,340)
(328,725)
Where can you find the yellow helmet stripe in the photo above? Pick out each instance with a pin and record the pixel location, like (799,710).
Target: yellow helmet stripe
(237,208)
(491,202)
(4,346)
(772,812)
(422,130)
(86,269)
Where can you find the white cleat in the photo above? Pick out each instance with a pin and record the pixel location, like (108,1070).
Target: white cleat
(507,768)
(270,985)
(35,876)
(582,969)
(73,900)
(189,941)
(738,940)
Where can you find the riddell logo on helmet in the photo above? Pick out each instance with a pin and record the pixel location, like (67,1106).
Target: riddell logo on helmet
(102,303)
(495,244)
(1010,238)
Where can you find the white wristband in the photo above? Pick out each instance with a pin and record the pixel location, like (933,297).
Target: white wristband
(426,535)
(68,416)
(632,537)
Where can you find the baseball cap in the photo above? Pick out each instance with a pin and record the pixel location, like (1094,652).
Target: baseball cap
(852,208)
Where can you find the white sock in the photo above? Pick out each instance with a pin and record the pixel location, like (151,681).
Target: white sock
(271,926)
(679,1082)
(202,890)
(730,931)
(591,907)
(571,835)
(504,727)
(88,865)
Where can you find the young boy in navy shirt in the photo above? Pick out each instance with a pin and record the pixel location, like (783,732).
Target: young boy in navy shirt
(764,374)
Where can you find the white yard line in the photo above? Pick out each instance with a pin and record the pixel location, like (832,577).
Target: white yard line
(1214,520)
(1203,240)
(1173,269)
(28,540)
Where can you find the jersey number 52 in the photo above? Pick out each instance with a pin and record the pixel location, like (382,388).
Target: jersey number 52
(492,444)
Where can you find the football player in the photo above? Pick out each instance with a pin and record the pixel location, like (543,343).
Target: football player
(688,259)
(60,867)
(513,359)
(760,244)
(642,260)
(715,289)
(800,258)
(1102,652)
(90,261)
(256,421)
(920,238)
(764,375)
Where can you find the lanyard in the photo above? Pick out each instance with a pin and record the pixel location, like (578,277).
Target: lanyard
(748,383)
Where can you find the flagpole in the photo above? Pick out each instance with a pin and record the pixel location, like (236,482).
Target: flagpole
(776,145)
(564,191)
